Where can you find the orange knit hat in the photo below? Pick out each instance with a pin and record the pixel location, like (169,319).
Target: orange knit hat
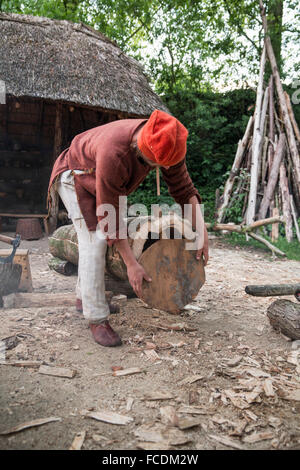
(163,139)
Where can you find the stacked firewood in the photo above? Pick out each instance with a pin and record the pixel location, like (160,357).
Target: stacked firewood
(266,168)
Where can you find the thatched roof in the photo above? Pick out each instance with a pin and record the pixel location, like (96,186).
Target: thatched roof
(65,61)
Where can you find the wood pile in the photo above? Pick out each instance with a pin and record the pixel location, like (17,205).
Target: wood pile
(266,168)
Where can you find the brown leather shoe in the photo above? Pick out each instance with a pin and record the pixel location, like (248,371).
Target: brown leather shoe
(104,334)
(113,308)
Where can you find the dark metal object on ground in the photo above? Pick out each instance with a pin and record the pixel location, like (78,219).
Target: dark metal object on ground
(15,242)
(10,275)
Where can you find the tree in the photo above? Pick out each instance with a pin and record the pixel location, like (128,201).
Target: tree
(186,43)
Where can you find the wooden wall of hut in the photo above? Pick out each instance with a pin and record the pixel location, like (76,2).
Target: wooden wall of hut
(30,143)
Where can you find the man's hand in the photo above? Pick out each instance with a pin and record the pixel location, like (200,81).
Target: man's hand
(136,274)
(204,250)
(135,271)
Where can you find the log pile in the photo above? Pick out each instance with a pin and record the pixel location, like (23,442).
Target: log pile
(266,168)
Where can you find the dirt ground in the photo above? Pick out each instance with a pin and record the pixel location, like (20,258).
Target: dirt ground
(228,379)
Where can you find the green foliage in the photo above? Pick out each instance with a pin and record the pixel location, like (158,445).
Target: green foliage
(179,40)
(216,122)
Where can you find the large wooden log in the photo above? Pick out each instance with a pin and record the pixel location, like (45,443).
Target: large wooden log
(284,316)
(63,244)
(176,275)
(38,299)
(61,266)
(145,233)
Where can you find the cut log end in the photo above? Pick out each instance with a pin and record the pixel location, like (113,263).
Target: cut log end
(284,316)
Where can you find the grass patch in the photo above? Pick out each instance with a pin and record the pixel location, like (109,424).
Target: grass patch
(292,250)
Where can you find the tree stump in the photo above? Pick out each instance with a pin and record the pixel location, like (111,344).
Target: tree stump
(284,316)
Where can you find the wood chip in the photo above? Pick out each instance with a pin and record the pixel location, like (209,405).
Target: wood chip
(293,396)
(151,355)
(129,403)
(194,410)
(236,400)
(99,438)
(190,379)
(257,437)
(161,435)
(168,415)
(268,388)
(234,362)
(177,345)
(255,372)
(78,441)
(293,357)
(108,417)
(274,422)
(130,371)
(158,395)
(152,446)
(22,363)
(251,415)
(226,442)
(174,327)
(149,434)
(57,371)
(149,345)
(29,424)
(187,423)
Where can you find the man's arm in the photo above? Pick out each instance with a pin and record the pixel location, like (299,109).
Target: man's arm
(135,271)
(199,225)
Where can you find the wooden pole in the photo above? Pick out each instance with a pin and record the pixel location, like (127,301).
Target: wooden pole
(273,177)
(157,181)
(268,244)
(270,290)
(256,147)
(57,147)
(284,187)
(275,227)
(234,170)
(292,116)
(293,210)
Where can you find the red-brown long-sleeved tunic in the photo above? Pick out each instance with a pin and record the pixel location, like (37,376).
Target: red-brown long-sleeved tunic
(114,170)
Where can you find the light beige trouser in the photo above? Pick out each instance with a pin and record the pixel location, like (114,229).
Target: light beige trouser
(92,251)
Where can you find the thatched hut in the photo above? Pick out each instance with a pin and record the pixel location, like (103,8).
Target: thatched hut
(61,78)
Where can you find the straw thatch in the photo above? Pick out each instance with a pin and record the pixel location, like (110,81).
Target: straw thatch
(69,62)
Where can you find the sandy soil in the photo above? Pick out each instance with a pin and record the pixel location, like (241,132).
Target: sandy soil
(228,375)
